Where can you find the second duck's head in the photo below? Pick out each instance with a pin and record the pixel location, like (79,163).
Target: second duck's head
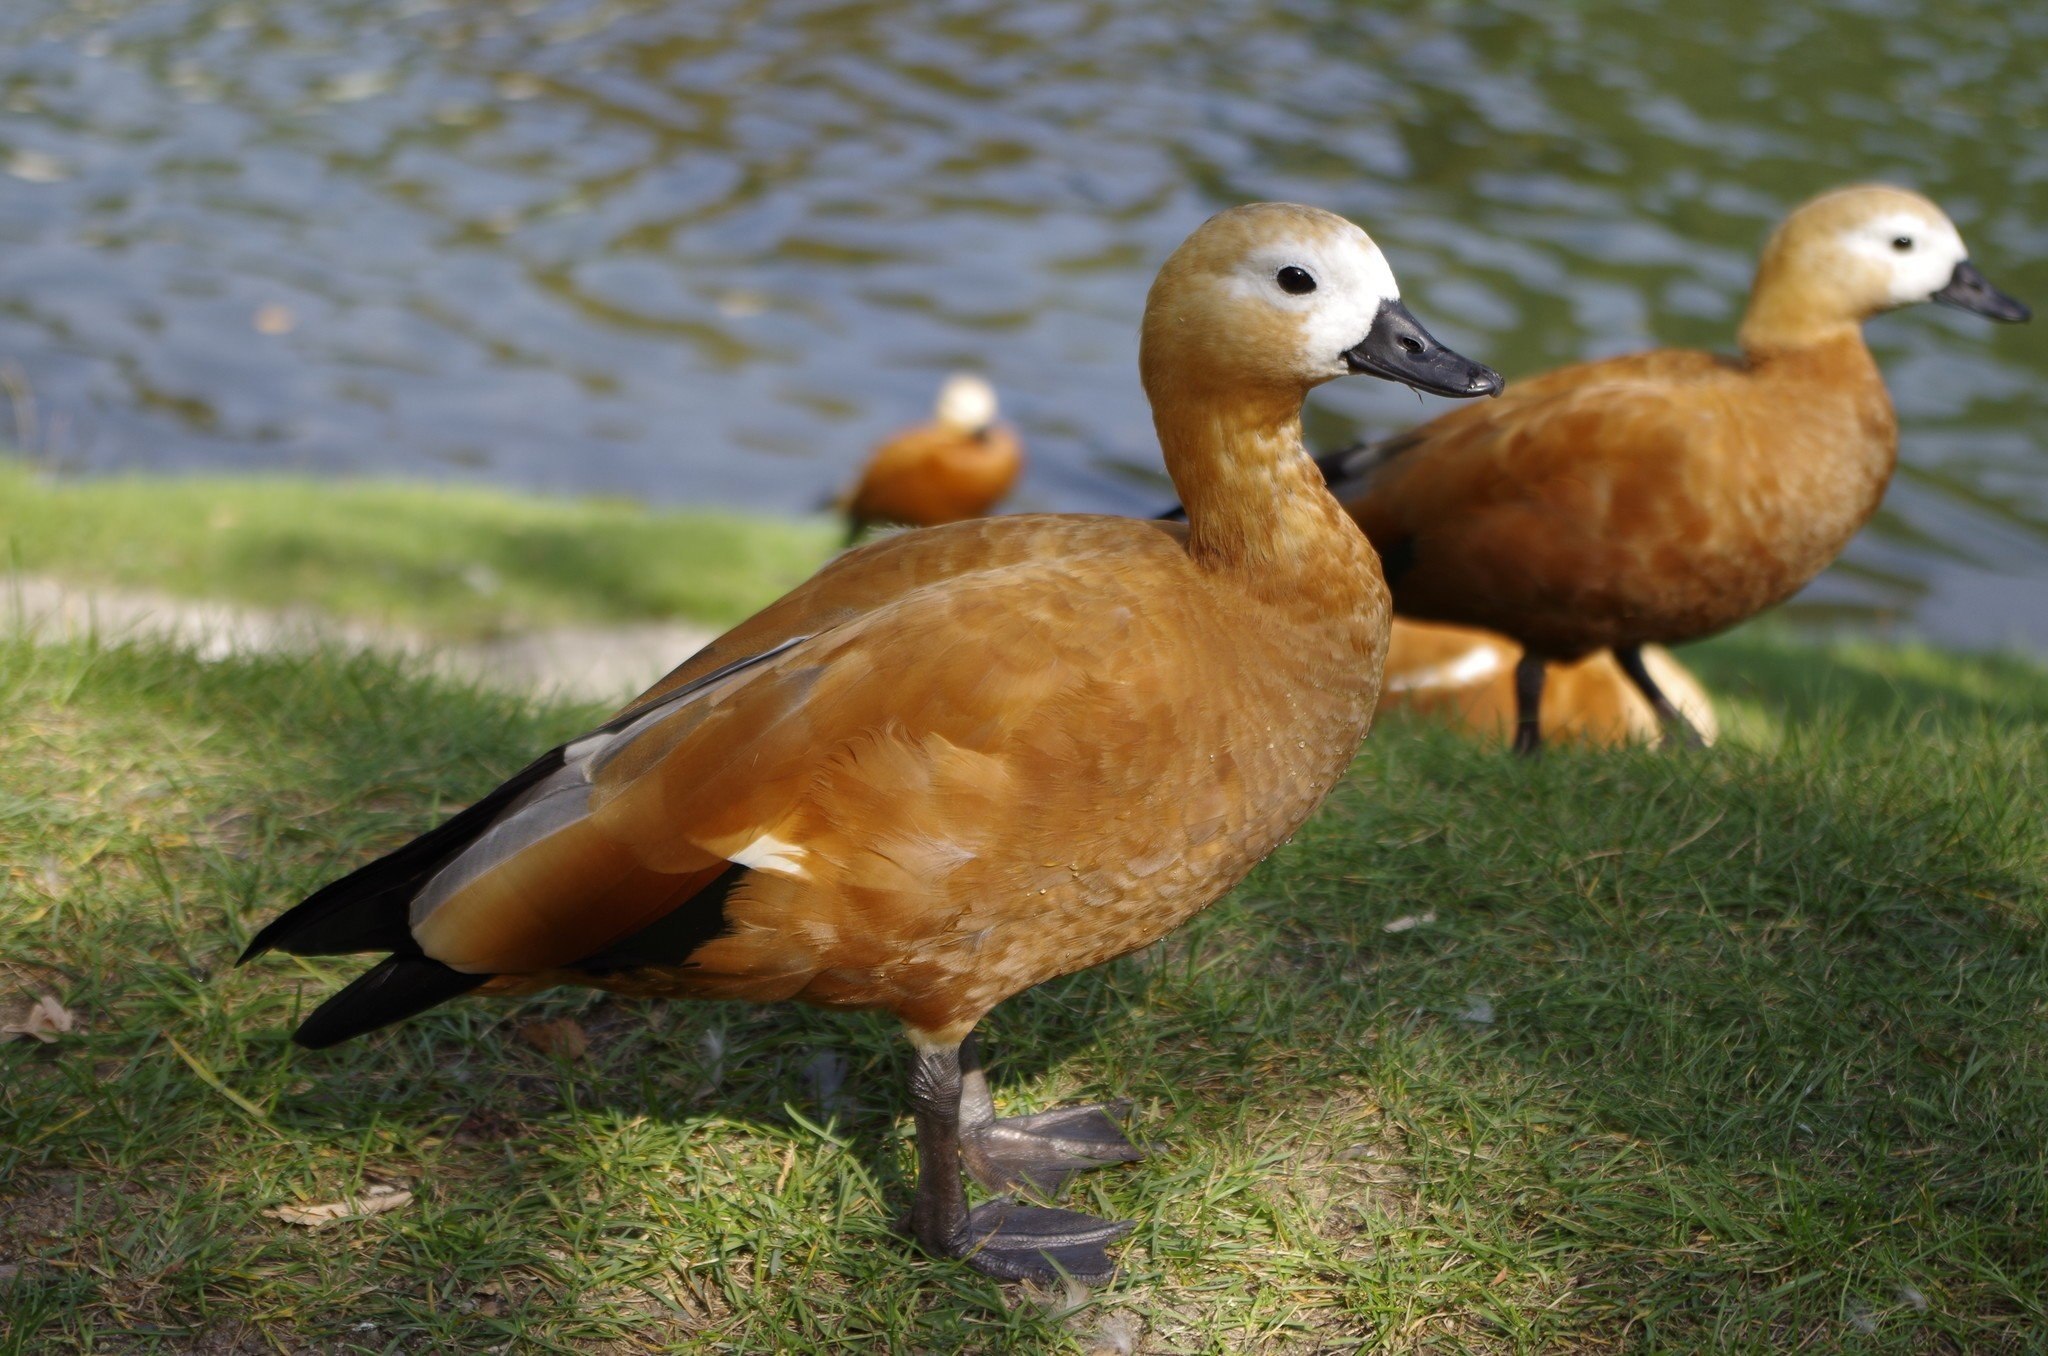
(1264,302)
(1846,255)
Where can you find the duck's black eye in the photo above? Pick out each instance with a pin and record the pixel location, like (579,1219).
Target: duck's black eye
(1902,243)
(1295,280)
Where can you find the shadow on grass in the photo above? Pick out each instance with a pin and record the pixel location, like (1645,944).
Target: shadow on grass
(1738,1048)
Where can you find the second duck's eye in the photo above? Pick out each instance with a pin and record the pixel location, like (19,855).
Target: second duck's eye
(1902,243)
(1295,280)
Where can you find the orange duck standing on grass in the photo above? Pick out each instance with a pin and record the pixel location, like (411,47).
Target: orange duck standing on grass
(961,761)
(1664,496)
(958,466)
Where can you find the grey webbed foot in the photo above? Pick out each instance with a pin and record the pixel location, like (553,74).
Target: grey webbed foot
(957,1130)
(1042,1151)
(1035,1243)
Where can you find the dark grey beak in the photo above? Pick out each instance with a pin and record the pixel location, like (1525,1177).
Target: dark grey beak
(1399,349)
(1968,290)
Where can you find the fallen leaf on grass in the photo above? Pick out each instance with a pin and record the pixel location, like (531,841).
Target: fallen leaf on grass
(376,1201)
(564,1037)
(46,1021)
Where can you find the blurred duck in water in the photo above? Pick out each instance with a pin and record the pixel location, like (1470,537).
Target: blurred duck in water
(1664,496)
(956,467)
(962,760)
(1465,677)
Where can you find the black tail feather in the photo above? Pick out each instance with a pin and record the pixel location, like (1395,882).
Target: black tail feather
(366,910)
(675,936)
(396,989)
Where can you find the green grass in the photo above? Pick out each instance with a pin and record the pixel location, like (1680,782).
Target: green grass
(1744,1051)
(460,562)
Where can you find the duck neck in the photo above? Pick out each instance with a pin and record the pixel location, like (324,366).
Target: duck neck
(1257,508)
(1833,373)
(1794,310)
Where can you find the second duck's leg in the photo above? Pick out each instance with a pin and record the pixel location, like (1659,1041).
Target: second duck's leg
(1677,729)
(1529,673)
(1000,1237)
(1040,1151)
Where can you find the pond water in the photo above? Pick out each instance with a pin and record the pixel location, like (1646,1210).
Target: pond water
(697,251)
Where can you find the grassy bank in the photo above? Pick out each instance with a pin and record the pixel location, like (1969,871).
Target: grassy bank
(1742,1050)
(459,562)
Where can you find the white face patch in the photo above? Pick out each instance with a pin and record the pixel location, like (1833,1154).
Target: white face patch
(1352,280)
(1919,269)
(966,403)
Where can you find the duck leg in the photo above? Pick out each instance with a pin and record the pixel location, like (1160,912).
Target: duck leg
(1000,1237)
(1040,1151)
(1529,673)
(1677,729)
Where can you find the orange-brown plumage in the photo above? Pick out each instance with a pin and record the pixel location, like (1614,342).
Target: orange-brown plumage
(1664,496)
(1464,677)
(1657,497)
(957,466)
(962,760)
(940,760)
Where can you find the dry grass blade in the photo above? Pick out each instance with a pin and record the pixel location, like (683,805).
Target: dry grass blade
(213,1080)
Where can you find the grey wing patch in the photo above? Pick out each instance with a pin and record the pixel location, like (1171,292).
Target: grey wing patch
(562,798)
(556,802)
(635,721)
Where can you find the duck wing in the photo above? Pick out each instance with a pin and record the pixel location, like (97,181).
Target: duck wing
(846,745)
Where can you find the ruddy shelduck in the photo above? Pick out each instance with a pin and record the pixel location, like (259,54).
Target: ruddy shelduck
(956,467)
(1665,496)
(963,760)
(1464,677)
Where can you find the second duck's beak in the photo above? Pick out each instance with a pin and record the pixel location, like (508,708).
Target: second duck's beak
(1399,349)
(1968,290)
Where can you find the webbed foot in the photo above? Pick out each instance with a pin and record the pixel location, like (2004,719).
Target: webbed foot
(1042,1151)
(1035,1243)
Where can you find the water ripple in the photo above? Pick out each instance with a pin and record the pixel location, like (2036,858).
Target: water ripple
(710,251)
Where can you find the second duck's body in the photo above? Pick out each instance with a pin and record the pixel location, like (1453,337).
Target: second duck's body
(1655,498)
(1665,496)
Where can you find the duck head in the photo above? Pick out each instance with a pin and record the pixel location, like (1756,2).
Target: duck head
(1848,255)
(966,404)
(1272,299)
